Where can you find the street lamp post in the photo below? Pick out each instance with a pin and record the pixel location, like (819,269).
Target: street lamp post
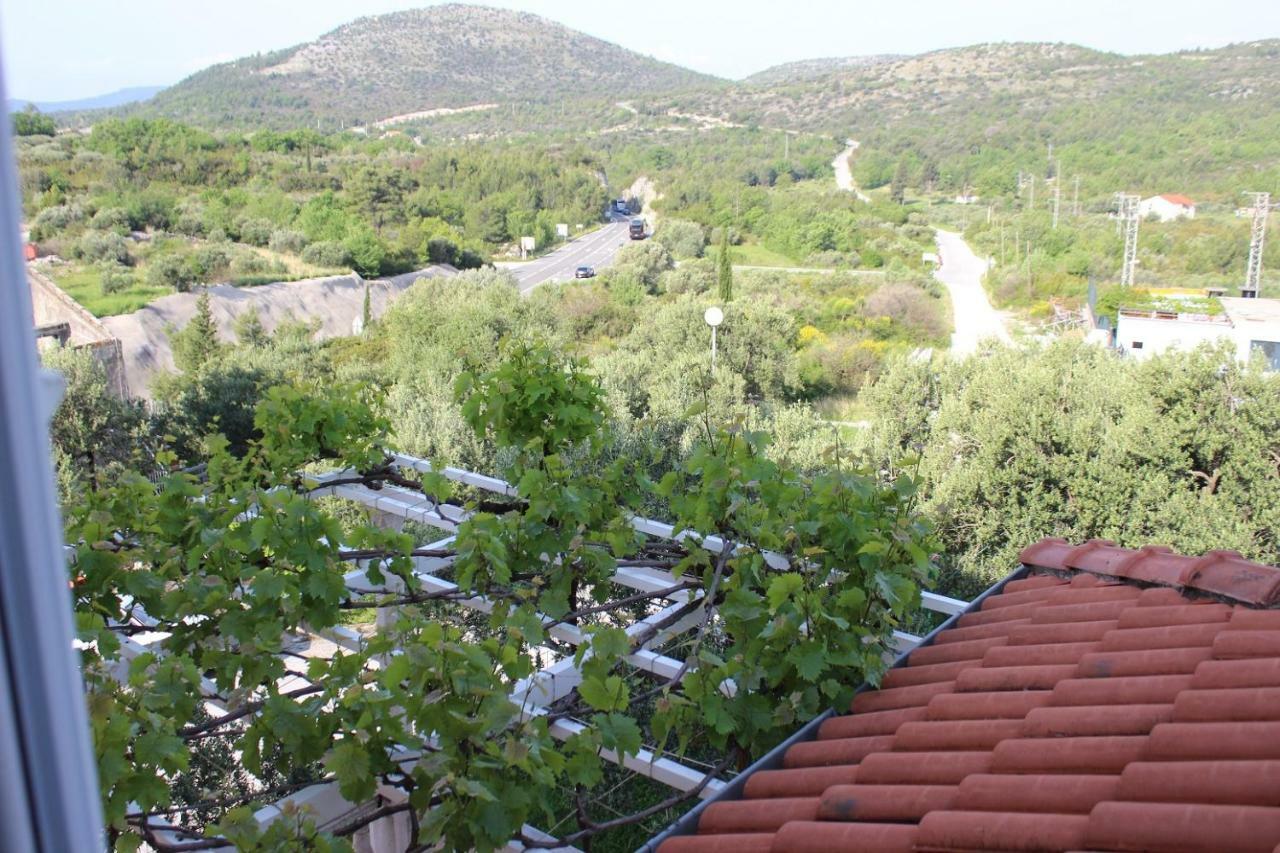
(714,317)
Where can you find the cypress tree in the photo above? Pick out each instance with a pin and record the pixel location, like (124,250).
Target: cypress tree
(725,268)
(197,343)
(366,313)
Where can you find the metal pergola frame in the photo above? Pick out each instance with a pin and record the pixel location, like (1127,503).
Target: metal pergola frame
(534,694)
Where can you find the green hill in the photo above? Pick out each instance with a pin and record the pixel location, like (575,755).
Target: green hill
(443,57)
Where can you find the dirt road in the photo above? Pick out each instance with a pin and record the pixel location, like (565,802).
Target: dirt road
(975,318)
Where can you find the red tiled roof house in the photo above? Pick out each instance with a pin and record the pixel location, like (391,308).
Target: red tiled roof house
(1167,207)
(1101,699)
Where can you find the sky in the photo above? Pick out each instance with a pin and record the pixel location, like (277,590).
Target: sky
(65,49)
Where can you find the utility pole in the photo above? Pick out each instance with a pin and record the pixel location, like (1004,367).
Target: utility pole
(786,149)
(1253,273)
(1057,199)
(1127,210)
(1075,199)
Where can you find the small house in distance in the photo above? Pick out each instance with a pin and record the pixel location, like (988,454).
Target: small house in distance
(1250,324)
(1167,207)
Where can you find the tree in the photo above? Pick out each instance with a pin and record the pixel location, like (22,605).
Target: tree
(366,311)
(724,269)
(929,174)
(95,433)
(898,188)
(1071,441)
(197,344)
(682,238)
(249,329)
(29,121)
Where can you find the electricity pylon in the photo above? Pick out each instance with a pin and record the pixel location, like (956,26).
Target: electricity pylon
(1127,211)
(1253,273)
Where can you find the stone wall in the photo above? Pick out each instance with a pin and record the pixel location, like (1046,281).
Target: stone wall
(51,305)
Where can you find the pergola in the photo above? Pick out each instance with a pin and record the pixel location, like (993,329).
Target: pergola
(673,611)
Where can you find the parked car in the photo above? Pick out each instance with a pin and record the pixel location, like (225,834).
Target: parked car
(584,272)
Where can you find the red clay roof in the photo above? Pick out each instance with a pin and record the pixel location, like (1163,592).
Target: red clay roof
(1111,699)
(1174,198)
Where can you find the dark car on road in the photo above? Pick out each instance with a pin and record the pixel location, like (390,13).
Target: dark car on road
(584,272)
(636,229)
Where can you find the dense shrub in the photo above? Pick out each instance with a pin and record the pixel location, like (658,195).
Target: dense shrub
(102,246)
(327,253)
(287,242)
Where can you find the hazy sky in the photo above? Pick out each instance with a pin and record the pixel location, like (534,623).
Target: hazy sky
(61,49)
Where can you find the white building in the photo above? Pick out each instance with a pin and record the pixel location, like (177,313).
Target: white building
(1167,207)
(1251,325)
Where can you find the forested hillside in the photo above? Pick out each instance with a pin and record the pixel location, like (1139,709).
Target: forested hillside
(1203,122)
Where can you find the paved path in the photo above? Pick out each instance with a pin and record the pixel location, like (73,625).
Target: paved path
(596,249)
(961,271)
(844,175)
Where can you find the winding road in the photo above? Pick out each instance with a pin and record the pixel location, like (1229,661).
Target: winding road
(844,173)
(974,317)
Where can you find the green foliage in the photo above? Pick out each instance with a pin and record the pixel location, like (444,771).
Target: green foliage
(683,239)
(30,122)
(94,433)
(1071,441)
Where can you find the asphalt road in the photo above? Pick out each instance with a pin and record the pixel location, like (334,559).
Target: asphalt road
(593,250)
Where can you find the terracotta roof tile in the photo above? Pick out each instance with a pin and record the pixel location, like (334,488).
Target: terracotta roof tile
(1089,755)
(756,815)
(1163,637)
(1173,614)
(1246,672)
(956,830)
(986,706)
(922,768)
(1247,644)
(824,753)
(1183,826)
(823,837)
(1013,677)
(1245,704)
(801,782)
(1059,794)
(952,735)
(1109,700)
(967,650)
(1128,690)
(875,723)
(1037,655)
(908,676)
(1214,741)
(978,632)
(1143,662)
(1095,720)
(1252,783)
(899,697)
(1069,632)
(884,802)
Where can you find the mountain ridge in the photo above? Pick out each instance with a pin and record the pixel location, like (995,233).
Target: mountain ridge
(117,98)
